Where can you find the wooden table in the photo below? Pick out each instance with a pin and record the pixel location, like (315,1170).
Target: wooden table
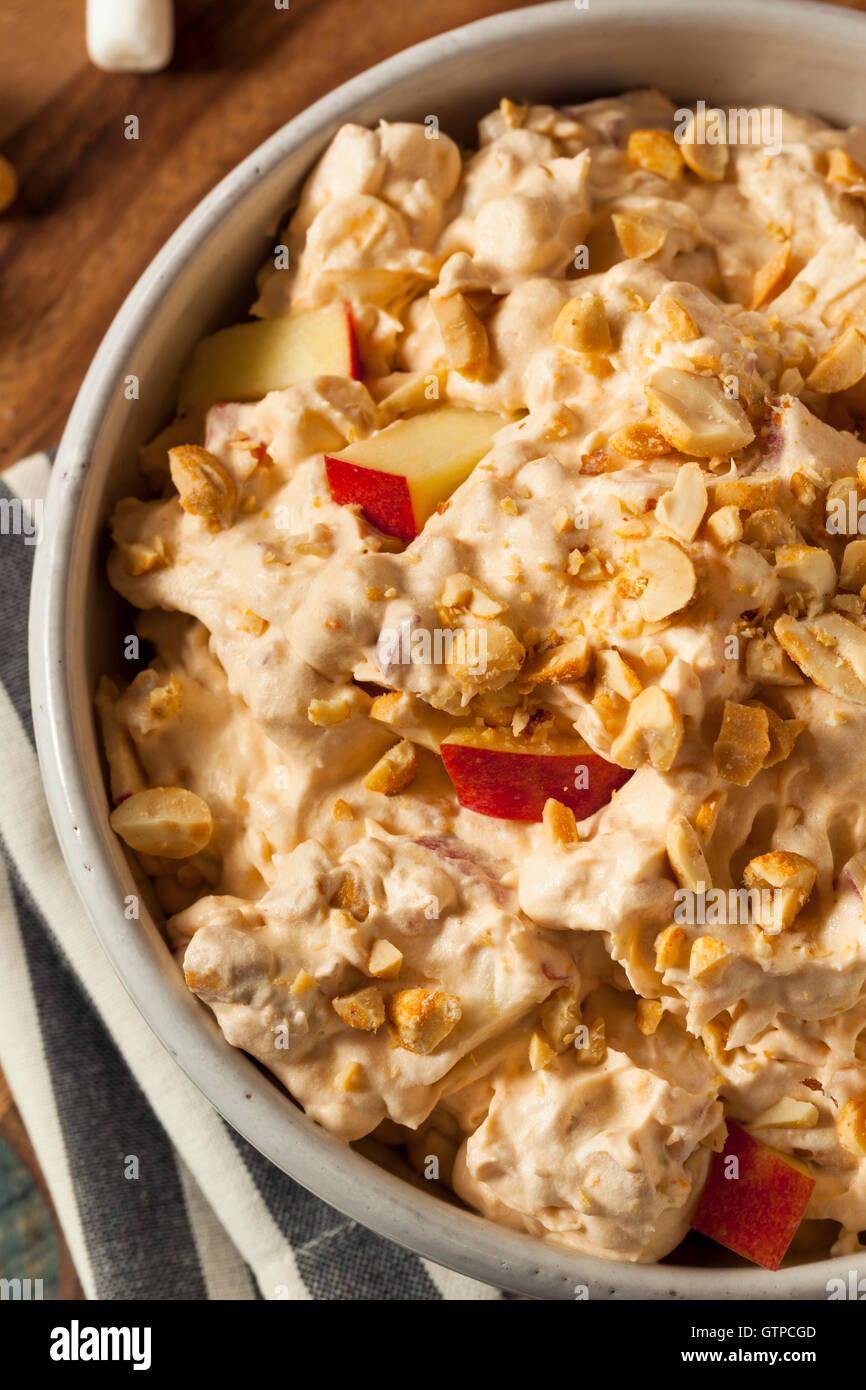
(95,207)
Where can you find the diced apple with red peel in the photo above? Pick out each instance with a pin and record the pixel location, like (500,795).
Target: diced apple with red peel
(247,361)
(513,784)
(400,475)
(384,499)
(753,1207)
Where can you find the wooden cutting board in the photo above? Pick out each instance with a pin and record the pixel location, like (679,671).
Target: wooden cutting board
(95,207)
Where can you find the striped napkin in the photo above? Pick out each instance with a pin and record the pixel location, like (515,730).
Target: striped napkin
(206,1217)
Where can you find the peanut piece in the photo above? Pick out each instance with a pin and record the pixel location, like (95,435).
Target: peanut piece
(168,821)
(204,486)
(463,334)
(394,770)
(365,1009)
(423,1018)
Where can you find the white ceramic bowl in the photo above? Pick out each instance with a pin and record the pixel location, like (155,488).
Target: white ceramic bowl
(790,54)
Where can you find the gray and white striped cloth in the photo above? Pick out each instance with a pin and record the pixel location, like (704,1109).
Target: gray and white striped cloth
(208,1217)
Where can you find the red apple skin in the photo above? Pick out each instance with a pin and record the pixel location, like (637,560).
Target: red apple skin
(515,786)
(354,354)
(383,497)
(757,1214)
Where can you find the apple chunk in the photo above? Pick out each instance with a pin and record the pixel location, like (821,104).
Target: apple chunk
(400,475)
(244,363)
(753,1206)
(514,784)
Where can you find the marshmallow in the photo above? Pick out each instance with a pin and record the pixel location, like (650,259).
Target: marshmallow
(130,35)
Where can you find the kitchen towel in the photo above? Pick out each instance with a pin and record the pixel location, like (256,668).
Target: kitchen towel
(158,1197)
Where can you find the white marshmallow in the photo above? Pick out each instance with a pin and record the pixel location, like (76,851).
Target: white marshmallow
(130,35)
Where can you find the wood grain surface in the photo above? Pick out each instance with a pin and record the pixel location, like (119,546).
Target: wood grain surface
(95,207)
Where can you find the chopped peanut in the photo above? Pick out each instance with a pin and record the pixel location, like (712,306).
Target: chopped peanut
(852,574)
(670,579)
(743,743)
(768,280)
(350,1078)
(705,160)
(714,1036)
(686,855)
(541,1054)
(707,958)
(411,718)
(649,1015)
(669,948)
(567,662)
(767,529)
(423,1018)
(166,700)
(483,655)
(724,526)
(125,772)
(653,732)
(707,813)
(386,961)
(747,494)
(513,113)
(851,1127)
(640,441)
(595,1050)
(559,822)
(350,897)
(682,508)
(394,770)
(656,151)
(560,1018)
(582,326)
(680,322)
(843,365)
(255,624)
(830,650)
(783,734)
(694,414)
(325,713)
(640,237)
(204,486)
(791,877)
(168,821)
(463,334)
(841,168)
(613,673)
(139,558)
(806,567)
(365,1009)
(768,664)
(463,594)
(302,982)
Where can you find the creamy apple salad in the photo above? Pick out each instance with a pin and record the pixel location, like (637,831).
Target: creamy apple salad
(497,744)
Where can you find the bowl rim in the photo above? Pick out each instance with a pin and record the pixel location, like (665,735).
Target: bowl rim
(238,1090)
